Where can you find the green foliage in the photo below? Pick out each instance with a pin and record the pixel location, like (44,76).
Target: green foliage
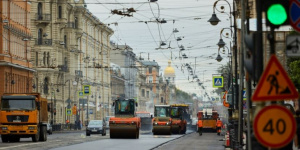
(294,71)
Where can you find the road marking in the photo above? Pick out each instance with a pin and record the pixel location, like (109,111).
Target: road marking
(27,144)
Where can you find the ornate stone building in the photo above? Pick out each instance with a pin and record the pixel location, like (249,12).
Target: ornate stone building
(70,48)
(15,68)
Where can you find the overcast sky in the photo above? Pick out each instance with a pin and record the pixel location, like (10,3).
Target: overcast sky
(189,16)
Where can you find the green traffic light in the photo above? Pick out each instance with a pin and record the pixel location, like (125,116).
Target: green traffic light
(276,14)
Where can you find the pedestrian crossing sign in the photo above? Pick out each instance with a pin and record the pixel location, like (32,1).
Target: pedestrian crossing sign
(217,81)
(274,84)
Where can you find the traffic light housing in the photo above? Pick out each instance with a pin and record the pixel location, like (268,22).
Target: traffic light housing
(277,12)
(249,56)
(74,110)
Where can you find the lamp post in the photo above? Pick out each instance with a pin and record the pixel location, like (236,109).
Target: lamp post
(235,95)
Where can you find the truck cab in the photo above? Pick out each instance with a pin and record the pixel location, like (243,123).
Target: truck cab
(23,115)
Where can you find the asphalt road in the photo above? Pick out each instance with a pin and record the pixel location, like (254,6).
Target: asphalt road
(208,141)
(76,140)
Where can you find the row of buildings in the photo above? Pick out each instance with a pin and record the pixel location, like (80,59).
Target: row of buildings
(55,47)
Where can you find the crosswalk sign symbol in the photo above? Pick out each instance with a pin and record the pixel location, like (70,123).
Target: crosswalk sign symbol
(275,84)
(217,81)
(244,95)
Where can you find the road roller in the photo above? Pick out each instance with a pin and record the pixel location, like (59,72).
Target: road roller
(178,113)
(162,120)
(124,124)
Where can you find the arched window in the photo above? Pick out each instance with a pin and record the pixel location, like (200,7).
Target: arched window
(46,84)
(59,12)
(40,11)
(40,36)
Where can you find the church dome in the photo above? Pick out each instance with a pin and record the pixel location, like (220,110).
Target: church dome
(169,71)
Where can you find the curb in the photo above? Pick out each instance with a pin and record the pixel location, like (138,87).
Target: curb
(170,141)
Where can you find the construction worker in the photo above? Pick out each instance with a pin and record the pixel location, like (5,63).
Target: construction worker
(200,126)
(219,125)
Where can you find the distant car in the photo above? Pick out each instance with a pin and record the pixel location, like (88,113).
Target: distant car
(49,128)
(96,127)
(107,121)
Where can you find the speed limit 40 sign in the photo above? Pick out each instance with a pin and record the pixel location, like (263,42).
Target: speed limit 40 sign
(274,126)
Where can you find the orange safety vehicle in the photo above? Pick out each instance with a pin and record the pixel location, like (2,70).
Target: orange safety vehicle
(178,115)
(209,119)
(23,116)
(125,124)
(146,120)
(162,120)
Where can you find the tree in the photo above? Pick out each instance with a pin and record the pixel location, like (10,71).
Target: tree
(294,71)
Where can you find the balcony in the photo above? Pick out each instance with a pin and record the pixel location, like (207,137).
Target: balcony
(44,42)
(42,18)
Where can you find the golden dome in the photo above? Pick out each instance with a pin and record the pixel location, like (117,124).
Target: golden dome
(169,71)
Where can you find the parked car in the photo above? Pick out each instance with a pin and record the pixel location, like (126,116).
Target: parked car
(96,127)
(107,121)
(49,128)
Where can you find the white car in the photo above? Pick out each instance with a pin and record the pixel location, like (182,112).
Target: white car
(49,128)
(107,121)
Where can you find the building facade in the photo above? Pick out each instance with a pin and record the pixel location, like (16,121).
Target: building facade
(70,48)
(16,71)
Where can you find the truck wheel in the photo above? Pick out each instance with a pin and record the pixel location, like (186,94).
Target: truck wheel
(4,138)
(36,137)
(43,133)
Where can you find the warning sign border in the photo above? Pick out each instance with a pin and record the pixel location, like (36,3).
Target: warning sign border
(294,94)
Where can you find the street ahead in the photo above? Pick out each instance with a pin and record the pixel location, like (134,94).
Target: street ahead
(76,140)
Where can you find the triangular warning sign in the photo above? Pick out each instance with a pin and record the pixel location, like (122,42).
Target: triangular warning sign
(274,84)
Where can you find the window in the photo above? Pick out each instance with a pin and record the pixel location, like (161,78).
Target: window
(65,41)
(36,58)
(44,59)
(150,69)
(48,59)
(40,12)
(76,23)
(143,92)
(46,88)
(59,12)
(161,100)
(40,37)
(147,94)
(150,79)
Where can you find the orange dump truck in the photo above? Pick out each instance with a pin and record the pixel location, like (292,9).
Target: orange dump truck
(125,124)
(179,123)
(209,119)
(23,116)
(162,120)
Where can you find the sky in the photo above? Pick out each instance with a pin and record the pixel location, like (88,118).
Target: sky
(143,34)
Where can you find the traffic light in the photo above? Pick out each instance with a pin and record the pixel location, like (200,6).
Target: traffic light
(277,12)
(249,56)
(74,110)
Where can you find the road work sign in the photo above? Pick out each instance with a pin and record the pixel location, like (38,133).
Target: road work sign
(274,126)
(217,81)
(275,84)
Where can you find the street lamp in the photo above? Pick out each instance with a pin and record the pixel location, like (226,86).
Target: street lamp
(214,21)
